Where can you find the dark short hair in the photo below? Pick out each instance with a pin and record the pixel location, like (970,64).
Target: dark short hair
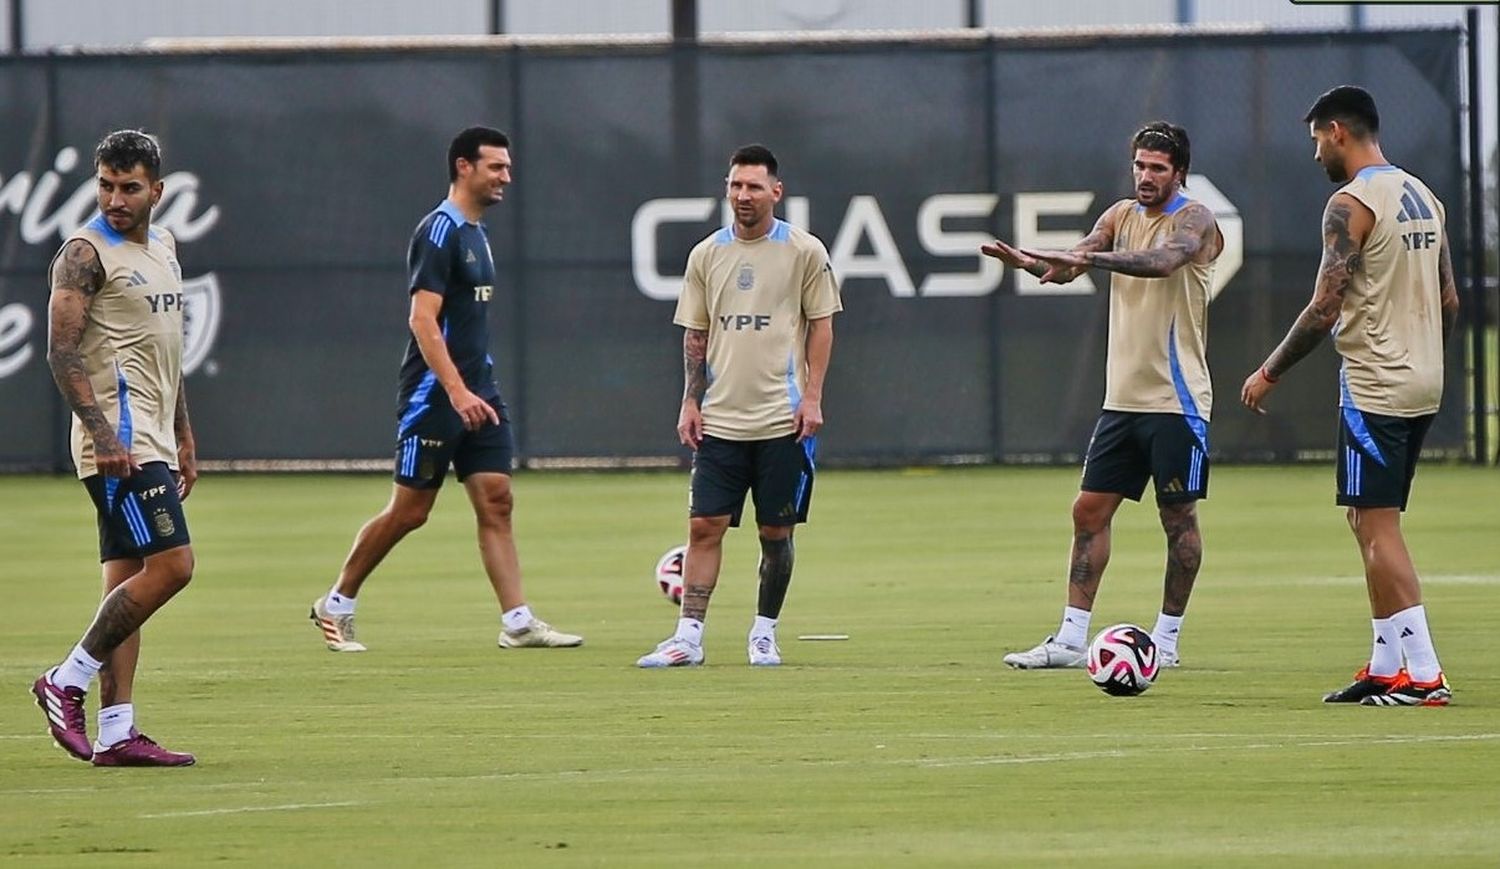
(123,150)
(1349,105)
(1167,138)
(466,145)
(754,155)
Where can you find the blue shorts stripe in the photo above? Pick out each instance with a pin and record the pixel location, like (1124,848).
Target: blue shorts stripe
(137,522)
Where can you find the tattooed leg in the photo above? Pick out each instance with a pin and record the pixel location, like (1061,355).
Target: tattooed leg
(1092,514)
(776,557)
(128,607)
(1184,555)
(700,572)
(117,677)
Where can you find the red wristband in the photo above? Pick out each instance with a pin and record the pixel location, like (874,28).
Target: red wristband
(1267,375)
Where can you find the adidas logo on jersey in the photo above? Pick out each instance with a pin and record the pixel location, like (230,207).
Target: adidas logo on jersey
(469,257)
(136,279)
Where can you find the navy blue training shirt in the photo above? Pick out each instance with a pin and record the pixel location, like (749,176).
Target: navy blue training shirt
(451,256)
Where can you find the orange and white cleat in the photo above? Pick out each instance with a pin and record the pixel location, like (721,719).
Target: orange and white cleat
(338,630)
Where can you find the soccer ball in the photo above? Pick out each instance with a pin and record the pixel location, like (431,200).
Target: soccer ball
(1123,660)
(669,574)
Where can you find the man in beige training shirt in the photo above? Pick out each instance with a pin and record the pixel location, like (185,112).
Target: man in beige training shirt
(757,309)
(115,348)
(1386,289)
(1161,245)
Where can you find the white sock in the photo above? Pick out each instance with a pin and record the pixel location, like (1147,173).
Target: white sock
(115,724)
(763,627)
(338,604)
(1074,630)
(1416,644)
(1385,654)
(77,670)
(1166,631)
(690,630)
(517,619)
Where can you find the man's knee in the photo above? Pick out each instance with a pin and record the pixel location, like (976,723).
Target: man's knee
(496,504)
(707,530)
(175,566)
(775,532)
(1092,514)
(1177,519)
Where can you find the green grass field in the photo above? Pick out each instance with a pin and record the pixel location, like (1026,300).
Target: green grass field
(908,745)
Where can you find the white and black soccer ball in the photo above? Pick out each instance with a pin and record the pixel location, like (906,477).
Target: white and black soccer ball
(1123,660)
(669,574)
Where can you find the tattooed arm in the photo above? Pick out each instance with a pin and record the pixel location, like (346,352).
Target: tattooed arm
(1448,288)
(695,385)
(1346,225)
(1193,227)
(187,450)
(1101,238)
(77,278)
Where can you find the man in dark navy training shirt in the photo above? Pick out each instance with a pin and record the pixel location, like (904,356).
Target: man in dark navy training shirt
(449,410)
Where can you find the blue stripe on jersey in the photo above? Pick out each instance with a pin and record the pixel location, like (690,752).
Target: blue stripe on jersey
(417,404)
(725,235)
(781,231)
(793,394)
(1176,204)
(1184,395)
(439,231)
(100,225)
(1355,420)
(1371,170)
(127,431)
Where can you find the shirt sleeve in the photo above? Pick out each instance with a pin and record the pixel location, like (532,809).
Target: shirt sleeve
(820,291)
(430,260)
(692,303)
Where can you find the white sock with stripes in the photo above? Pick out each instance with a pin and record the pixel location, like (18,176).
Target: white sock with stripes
(1385,654)
(1416,644)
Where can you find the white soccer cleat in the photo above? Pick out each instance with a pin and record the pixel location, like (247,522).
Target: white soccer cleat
(1047,655)
(338,630)
(538,635)
(1167,659)
(672,652)
(764,652)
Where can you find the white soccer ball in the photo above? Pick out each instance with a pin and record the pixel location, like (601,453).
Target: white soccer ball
(1123,660)
(669,574)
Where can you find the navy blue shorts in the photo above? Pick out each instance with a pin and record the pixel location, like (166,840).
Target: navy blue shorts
(778,471)
(437,439)
(1378,457)
(139,515)
(1168,448)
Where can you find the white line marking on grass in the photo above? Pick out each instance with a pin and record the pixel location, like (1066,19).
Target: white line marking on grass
(1354,579)
(288,807)
(1136,752)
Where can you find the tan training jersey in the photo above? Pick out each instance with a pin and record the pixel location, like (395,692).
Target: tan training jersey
(1390,330)
(1158,327)
(132,344)
(755,298)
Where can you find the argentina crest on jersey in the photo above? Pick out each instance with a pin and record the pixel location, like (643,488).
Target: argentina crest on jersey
(746,278)
(200,319)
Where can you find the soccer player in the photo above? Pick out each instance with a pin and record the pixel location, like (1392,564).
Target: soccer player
(1161,246)
(449,410)
(115,349)
(757,310)
(1385,286)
